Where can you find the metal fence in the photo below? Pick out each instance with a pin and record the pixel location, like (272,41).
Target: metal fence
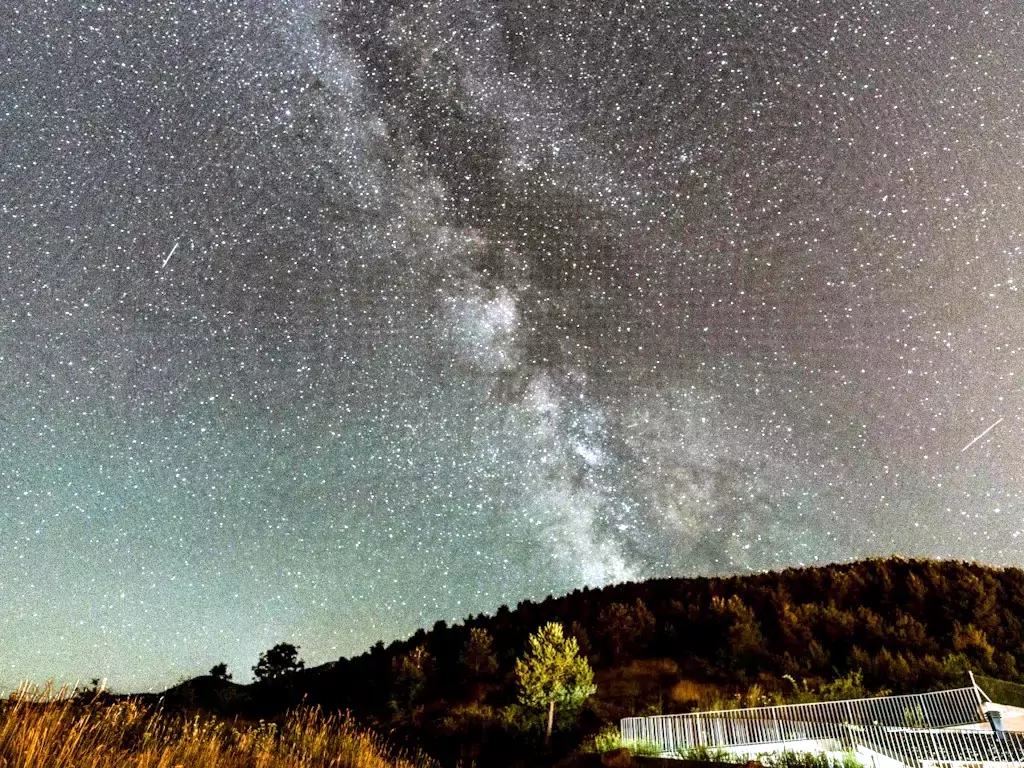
(824,722)
(930,748)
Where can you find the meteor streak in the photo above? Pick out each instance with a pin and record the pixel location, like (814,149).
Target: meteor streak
(169,255)
(990,428)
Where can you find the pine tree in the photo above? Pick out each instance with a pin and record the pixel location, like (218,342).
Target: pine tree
(552,671)
(478,654)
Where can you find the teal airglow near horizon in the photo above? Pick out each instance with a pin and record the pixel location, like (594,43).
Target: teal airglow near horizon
(323,321)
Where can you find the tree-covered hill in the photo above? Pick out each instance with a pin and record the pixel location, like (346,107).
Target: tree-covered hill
(673,644)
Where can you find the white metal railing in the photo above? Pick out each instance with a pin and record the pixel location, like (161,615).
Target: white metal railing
(825,722)
(933,748)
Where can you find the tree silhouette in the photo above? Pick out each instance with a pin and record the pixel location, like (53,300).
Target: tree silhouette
(282,659)
(220,672)
(553,671)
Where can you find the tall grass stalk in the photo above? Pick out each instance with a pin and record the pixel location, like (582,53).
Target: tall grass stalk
(48,729)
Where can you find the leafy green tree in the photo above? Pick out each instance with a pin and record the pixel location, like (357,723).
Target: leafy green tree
(579,632)
(744,645)
(411,672)
(552,671)
(220,672)
(282,659)
(793,632)
(625,627)
(478,654)
(973,643)
(894,669)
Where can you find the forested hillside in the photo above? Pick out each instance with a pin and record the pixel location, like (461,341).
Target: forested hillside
(675,644)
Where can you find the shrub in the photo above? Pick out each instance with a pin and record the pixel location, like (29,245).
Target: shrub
(609,738)
(642,748)
(785,759)
(704,754)
(789,759)
(605,740)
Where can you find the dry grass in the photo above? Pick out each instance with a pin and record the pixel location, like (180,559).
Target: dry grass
(44,729)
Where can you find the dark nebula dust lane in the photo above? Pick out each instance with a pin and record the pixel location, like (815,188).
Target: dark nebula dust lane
(322,321)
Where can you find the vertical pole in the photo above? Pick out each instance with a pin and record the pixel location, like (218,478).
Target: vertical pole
(935,746)
(977,689)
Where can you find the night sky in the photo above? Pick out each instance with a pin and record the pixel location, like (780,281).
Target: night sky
(322,321)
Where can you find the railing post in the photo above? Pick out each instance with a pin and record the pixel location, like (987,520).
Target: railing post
(977,688)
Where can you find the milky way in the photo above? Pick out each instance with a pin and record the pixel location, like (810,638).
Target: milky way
(324,321)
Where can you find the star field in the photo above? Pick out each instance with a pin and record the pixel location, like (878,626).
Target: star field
(323,321)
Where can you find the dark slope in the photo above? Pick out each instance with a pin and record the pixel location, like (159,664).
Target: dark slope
(907,624)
